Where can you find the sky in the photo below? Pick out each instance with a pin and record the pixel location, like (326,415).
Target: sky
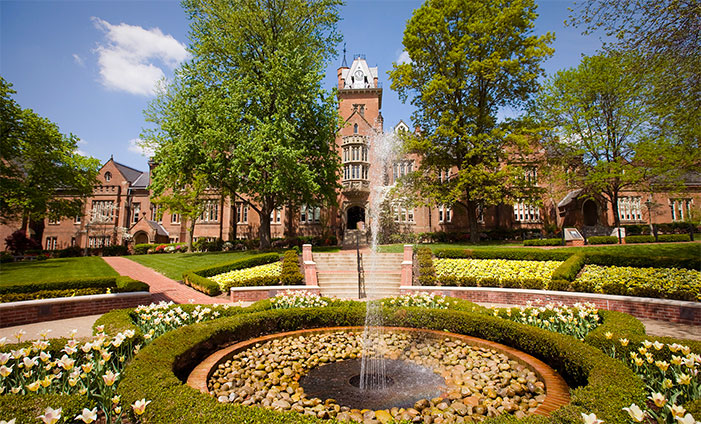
(91,66)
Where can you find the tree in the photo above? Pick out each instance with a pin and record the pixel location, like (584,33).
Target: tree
(600,119)
(664,37)
(469,58)
(40,172)
(190,202)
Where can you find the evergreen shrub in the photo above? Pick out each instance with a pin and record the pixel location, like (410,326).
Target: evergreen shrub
(602,240)
(543,242)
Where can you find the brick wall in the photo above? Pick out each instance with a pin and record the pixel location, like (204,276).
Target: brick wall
(254,294)
(641,307)
(31,311)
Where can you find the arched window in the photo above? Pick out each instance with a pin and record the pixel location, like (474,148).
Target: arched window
(355,128)
(108,176)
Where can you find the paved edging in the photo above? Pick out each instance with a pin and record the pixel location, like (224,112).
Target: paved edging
(256,293)
(679,311)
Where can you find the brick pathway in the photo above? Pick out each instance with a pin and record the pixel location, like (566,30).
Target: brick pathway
(162,287)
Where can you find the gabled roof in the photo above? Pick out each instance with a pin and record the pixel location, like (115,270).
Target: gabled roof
(142,181)
(129,173)
(156,226)
(569,198)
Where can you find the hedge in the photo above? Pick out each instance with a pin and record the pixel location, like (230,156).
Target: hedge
(197,278)
(602,385)
(142,249)
(543,242)
(602,240)
(668,238)
(640,239)
(62,288)
(611,259)
(427,273)
(569,269)
(518,254)
(290,274)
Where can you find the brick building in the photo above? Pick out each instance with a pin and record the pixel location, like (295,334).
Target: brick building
(120,210)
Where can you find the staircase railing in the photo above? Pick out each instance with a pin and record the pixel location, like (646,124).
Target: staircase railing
(361,271)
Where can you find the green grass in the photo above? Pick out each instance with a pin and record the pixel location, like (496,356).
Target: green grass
(54,269)
(678,250)
(172,265)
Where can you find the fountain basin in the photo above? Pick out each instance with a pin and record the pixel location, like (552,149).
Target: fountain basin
(555,388)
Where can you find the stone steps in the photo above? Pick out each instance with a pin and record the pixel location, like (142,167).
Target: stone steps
(337,274)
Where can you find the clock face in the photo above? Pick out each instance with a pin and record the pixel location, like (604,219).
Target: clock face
(359,75)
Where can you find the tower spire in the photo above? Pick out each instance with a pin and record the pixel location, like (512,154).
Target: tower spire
(345,63)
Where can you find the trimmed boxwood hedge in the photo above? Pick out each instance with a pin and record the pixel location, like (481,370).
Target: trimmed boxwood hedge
(197,278)
(602,240)
(569,269)
(68,288)
(518,254)
(601,384)
(640,239)
(543,242)
(427,273)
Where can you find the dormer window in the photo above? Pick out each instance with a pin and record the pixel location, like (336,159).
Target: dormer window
(108,176)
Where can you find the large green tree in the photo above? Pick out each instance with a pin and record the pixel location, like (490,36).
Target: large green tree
(664,38)
(266,125)
(600,121)
(469,59)
(41,172)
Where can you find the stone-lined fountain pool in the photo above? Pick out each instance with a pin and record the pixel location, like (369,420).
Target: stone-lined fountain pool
(428,373)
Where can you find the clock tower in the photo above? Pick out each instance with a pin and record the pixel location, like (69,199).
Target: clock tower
(359,103)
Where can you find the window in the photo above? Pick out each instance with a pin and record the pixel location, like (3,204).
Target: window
(78,219)
(445,213)
(444,175)
(276,216)
(531,175)
(175,218)
(136,211)
(155,210)
(211,211)
(72,241)
(98,241)
(402,168)
(681,209)
(365,172)
(365,153)
(403,214)
(309,214)
(241,213)
(629,208)
(355,128)
(480,213)
(345,154)
(108,176)
(103,210)
(526,212)
(53,220)
(51,243)
(174,239)
(346,172)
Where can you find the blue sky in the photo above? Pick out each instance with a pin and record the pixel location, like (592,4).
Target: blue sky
(89,65)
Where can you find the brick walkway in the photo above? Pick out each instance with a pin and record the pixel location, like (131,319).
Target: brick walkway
(162,287)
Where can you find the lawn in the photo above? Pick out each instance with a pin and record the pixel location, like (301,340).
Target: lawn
(658,249)
(172,265)
(54,269)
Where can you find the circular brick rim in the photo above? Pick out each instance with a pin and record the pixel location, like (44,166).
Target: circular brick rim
(556,389)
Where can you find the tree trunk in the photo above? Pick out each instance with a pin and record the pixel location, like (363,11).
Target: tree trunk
(616,217)
(472,221)
(264,229)
(190,233)
(235,222)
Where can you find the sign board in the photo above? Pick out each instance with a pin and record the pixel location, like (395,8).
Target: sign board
(615,232)
(572,234)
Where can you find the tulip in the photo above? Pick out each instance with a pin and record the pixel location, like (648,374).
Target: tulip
(658,399)
(5,371)
(140,406)
(687,419)
(88,415)
(608,335)
(110,378)
(657,345)
(34,386)
(51,416)
(676,410)
(591,419)
(684,379)
(635,413)
(12,421)
(624,342)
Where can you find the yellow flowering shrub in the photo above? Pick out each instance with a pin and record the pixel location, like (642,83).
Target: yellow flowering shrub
(500,270)
(258,275)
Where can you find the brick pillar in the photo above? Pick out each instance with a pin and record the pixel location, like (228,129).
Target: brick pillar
(309,265)
(407,265)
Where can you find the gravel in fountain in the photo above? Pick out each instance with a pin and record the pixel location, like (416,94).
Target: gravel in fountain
(470,382)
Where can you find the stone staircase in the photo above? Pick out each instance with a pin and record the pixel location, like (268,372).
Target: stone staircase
(349,238)
(337,274)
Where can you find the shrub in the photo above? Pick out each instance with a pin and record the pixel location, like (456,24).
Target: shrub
(559,285)
(18,242)
(127,284)
(427,273)
(6,257)
(543,242)
(640,239)
(70,252)
(602,240)
(198,278)
(613,259)
(49,294)
(668,238)
(142,249)
(114,250)
(82,283)
(569,269)
(452,253)
(290,273)
(203,284)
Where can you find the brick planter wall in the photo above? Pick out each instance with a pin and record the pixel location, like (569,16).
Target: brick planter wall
(254,294)
(641,307)
(31,311)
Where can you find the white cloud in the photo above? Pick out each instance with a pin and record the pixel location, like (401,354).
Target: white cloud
(403,58)
(136,146)
(77,59)
(132,58)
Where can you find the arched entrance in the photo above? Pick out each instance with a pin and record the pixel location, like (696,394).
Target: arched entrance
(141,238)
(354,215)
(590,211)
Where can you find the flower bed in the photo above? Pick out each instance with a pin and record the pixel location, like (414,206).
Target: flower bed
(494,272)
(261,275)
(672,283)
(577,321)
(68,288)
